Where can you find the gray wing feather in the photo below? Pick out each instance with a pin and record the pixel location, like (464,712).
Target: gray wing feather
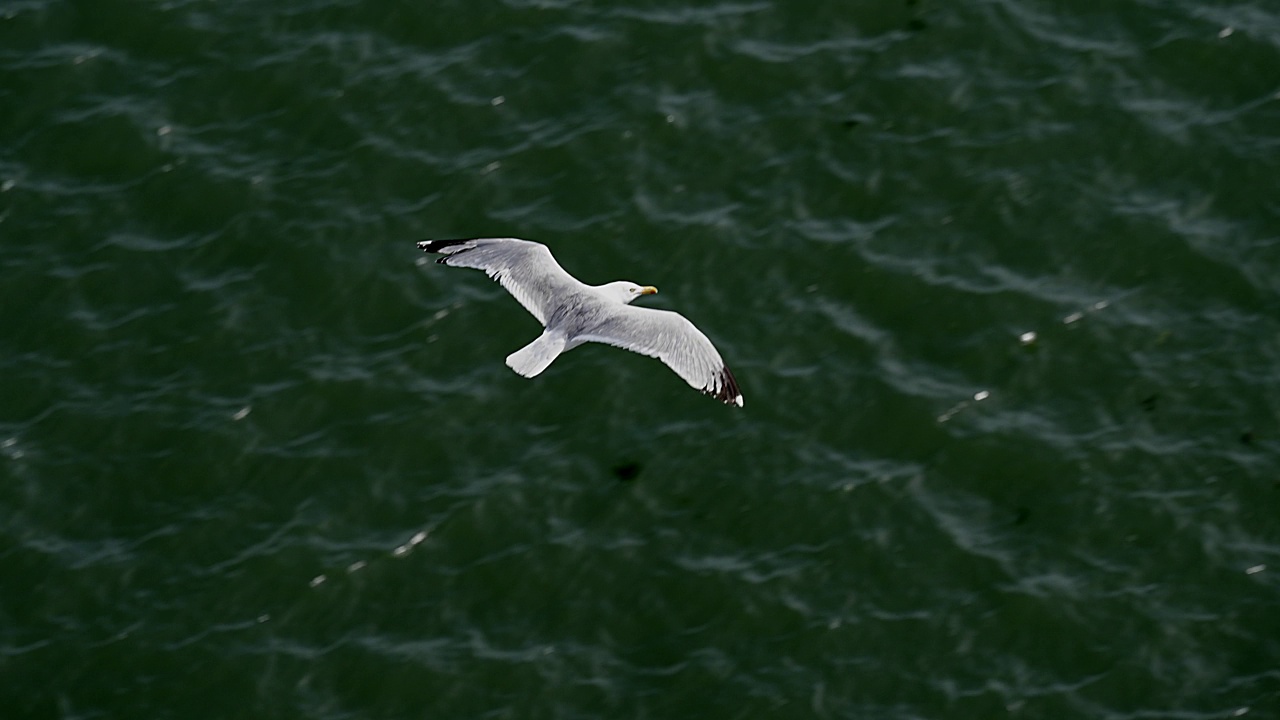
(671,338)
(525,268)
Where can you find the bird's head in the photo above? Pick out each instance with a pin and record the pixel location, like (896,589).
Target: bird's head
(627,291)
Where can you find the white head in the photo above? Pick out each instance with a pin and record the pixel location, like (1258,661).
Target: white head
(624,291)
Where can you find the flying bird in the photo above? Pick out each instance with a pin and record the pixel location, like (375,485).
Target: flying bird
(573,313)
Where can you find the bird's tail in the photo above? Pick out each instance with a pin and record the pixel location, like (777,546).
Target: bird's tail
(537,355)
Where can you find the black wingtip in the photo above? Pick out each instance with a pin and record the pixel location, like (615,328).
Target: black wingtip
(441,247)
(728,392)
(435,246)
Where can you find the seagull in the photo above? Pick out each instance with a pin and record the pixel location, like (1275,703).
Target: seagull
(573,313)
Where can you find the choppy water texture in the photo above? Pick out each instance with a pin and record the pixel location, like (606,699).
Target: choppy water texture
(1000,280)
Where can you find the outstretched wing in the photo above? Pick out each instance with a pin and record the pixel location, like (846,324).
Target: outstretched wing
(525,268)
(675,341)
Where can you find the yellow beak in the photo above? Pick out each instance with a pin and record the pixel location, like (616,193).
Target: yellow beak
(648,290)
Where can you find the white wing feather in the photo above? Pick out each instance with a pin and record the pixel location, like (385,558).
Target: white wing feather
(526,269)
(671,338)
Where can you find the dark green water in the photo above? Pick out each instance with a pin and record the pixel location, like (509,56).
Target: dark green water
(260,459)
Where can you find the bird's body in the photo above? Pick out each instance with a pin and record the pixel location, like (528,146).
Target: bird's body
(573,313)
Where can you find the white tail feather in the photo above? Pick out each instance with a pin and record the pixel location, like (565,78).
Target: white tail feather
(537,355)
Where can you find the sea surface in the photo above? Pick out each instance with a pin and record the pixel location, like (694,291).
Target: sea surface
(1000,280)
